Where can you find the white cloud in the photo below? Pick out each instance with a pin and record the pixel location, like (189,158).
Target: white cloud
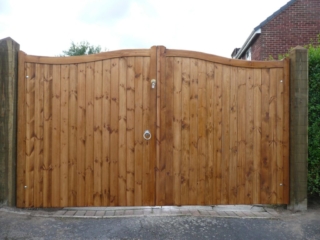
(217,27)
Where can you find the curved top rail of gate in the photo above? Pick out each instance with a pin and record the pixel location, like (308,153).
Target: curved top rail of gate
(147,52)
(88,58)
(223,60)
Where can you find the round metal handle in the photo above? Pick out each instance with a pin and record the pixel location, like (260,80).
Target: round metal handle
(147,135)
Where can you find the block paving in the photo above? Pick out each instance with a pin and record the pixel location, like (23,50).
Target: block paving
(116,212)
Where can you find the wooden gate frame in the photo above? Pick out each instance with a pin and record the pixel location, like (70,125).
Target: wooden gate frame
(158,57)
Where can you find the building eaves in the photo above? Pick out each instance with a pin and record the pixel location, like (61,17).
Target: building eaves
(257,29)
(275,14)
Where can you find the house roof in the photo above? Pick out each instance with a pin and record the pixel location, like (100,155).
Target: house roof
(257,29)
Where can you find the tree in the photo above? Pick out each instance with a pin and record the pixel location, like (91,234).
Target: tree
(82,48)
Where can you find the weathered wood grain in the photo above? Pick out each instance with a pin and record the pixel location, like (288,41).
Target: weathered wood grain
(72,134)
(106,132)
(122,158)
(114,135)
(56,126)
(241,161)
(131,121)
(185,130)
(233,170)
(138,148)
(177,118)
(81,134)
(64,135)
(97,134)
(257,118)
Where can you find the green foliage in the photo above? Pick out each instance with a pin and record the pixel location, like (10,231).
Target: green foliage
(271,58)
(314,119)
(282,56)
(82,48)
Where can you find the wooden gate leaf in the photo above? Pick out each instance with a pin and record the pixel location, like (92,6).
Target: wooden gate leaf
(219,130)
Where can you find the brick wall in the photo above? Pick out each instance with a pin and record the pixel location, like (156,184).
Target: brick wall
(256,49)
(297,25)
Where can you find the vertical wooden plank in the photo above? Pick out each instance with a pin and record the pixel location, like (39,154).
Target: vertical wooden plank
(256,135)
(89,134)
(114,136)
(286,131)
(185,130)
(265,179)
(279,135)
(210,109)
(64,136)
(122,177)
(97,134)
(233,189)
(56,113)
(47,136)
(273,134)
(38,130)
(161,164)
(193,141)
(130,131)
(145,126)
(249,170)
(21,131)
(167,113)
(138,131)
(217,129)
(41,137)
(81,134)
(202,179)
(241,162)
(30,139)
(177,118)
(106,123)
(225,134)
(156,57)
(153,121)
(72,145)
(149,73)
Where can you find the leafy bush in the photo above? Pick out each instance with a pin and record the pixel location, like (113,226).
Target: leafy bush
(314,119)
(82,48)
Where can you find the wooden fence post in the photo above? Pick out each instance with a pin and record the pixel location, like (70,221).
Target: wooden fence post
(298,128)
(8,119)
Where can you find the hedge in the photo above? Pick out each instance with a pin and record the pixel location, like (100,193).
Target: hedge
(314,119)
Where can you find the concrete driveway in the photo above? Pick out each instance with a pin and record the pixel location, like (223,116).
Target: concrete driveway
(284,225)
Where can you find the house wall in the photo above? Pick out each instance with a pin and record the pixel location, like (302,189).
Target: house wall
(296,25)
(256,49)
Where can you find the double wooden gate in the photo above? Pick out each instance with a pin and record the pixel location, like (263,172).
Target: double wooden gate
(219,130)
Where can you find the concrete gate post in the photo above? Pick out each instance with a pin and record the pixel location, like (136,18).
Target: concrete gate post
(298,128)
(8,119)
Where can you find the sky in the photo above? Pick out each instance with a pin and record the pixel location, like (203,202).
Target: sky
(47,27)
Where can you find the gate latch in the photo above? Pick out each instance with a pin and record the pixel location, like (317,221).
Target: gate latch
(153,83)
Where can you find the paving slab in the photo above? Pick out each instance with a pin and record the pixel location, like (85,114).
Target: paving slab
(100,213)
(70,213)
(80,213)
(119,213)
(90,213)
(60,213)
(107,212)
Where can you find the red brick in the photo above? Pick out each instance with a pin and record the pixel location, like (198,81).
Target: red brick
(296,25)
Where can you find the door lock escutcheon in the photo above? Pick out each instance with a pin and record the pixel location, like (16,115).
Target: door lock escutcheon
(153,83)
(147,135)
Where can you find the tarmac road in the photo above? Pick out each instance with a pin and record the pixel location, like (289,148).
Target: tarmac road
(288,226)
